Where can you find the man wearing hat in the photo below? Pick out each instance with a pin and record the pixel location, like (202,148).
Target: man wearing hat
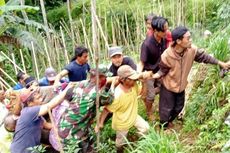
(28,128)
(125,106)
(176,63)
(118,59)
(49,77)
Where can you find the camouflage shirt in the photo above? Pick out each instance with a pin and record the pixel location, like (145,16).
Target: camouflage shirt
(75,123)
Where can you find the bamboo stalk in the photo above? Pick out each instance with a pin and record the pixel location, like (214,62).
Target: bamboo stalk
(8,76)
(11,61)
(113,33)
(4,82)
(87,40)
(45,20)
(23,62)
(94,31)
(101,30)
(15,68)
(57,53)
(63,41)
(47,53)
(71,24)
(35,60)
(55,131)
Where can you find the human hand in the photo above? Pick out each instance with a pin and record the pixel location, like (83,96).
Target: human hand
(224,65)
(156,76)
(147,74)
(97,128)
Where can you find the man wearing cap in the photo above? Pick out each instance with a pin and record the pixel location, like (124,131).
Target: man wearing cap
(176,63)
(78,67)
(48,80)
(125,106)
(151,50)
(28,128)
(75,124)
(117,58)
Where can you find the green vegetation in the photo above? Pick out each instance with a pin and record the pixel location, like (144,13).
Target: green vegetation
(122,23)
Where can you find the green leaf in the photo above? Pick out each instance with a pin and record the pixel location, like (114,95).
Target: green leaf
(7,8)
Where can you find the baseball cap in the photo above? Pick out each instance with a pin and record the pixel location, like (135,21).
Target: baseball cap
(26,94)
(29,81)
(178,32)
(50,74)
(125,71)
(115,50)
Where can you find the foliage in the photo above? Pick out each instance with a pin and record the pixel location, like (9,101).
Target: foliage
(37,149)
(155,142)
(208,105)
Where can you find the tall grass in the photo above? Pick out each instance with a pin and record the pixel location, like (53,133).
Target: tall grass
(155,142)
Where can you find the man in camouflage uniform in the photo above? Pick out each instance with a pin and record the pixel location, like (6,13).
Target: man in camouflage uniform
(75,123)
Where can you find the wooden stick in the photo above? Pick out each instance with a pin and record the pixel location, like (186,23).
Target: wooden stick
(55,131)
(101,30)
(95,46)
(15,69)
(47,53)
(8,76)
(87,41)
(35,60)
(71,24)
(63,41)
(23,62)
(11,61)
(45,20)
(5,83)
(3,87)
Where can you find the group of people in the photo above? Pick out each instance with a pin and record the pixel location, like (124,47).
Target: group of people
(166,59)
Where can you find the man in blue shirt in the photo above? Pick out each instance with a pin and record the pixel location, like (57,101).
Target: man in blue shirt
(77,68)
(20,77)
(49,78)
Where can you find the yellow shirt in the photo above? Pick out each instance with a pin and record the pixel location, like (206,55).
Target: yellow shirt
(124,108)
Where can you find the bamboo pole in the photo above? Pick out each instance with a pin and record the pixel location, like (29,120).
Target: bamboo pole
(8,76)
(55,131)
(71,24)
(47,53)
(101,30)
(45,20)
(11,61)
(56,45)
(113,33)
(15,68)
(35,60)
(4,82)
(23,62)
(87,40)
(63,41)
(95,46)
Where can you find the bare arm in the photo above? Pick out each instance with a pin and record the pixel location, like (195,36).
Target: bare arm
(55,101)
(59,76)
(224,65)
(103,116)
(140,67)
(47,125)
